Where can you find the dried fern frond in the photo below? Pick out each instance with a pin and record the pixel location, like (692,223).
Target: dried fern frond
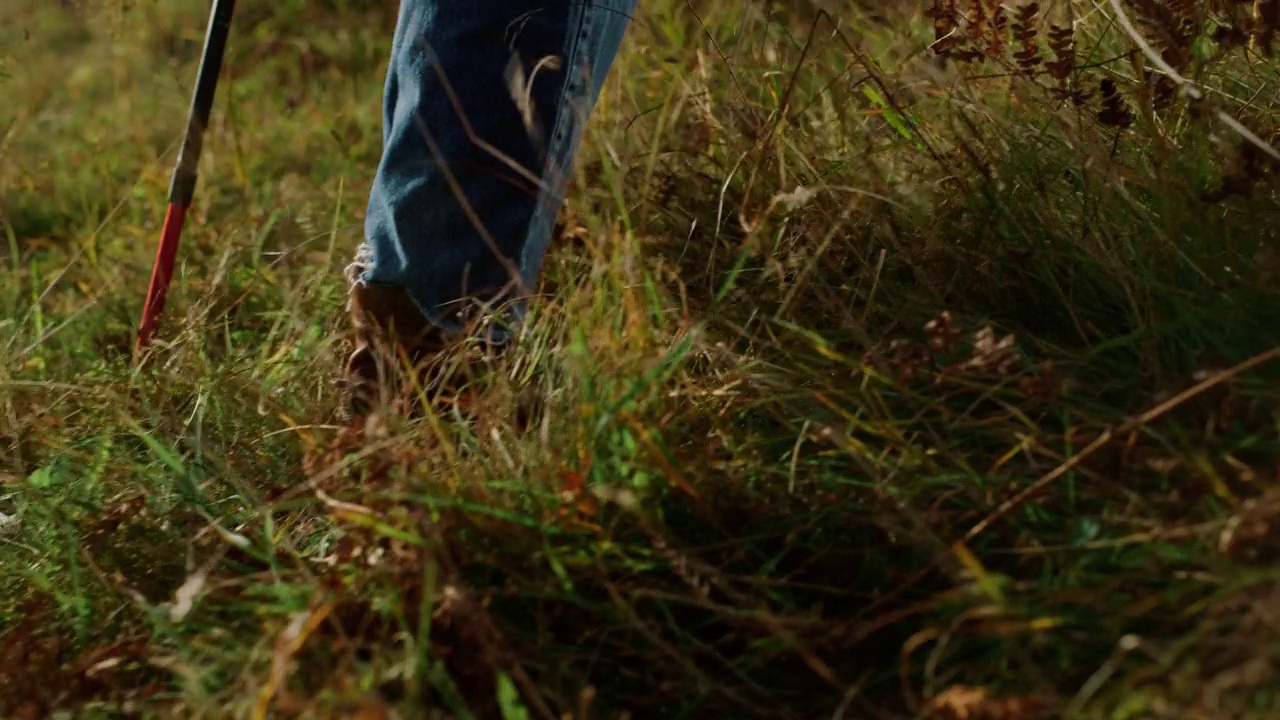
(1245,169)
(997,37)
(1026,29)
(1172,27)
(946,23)
(1163,90)
(1063,44)
(1115,111)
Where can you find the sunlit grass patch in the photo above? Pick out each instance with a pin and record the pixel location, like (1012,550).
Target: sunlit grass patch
(867,385)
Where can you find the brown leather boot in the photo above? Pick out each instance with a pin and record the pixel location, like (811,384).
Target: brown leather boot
(399,355)
(391,336)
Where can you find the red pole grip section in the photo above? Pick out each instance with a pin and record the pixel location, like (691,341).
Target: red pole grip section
(162,272)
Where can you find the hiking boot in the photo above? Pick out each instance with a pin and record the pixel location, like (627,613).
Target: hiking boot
(400,355)
(391,335)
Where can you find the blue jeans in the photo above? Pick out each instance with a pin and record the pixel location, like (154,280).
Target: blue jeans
(484,106)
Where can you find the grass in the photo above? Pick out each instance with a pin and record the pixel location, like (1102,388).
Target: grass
(873,386)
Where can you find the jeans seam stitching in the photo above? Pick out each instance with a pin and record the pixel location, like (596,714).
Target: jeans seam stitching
(562,131)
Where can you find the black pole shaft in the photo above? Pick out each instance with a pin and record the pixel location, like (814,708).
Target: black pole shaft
(183,187)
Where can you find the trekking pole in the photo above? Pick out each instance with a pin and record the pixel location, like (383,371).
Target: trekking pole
(183,185)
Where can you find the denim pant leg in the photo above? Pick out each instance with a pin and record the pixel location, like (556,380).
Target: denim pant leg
(484,105)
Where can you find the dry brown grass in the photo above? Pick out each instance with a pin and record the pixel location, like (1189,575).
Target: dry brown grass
(887,371)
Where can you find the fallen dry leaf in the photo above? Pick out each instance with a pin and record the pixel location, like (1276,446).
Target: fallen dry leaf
(965,702)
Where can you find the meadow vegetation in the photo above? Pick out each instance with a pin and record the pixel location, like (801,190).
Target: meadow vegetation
(895,360)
